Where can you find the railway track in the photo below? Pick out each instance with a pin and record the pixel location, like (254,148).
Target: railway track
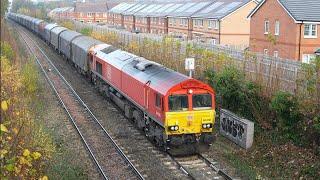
(110,160)
(199,167)
(194,167)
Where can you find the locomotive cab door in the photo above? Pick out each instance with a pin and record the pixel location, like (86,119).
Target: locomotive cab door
(146,93)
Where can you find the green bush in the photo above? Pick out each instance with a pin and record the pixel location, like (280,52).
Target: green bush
(86,31)
(6,50)
(288,116)
(30,77)
(240,96)
(228,84)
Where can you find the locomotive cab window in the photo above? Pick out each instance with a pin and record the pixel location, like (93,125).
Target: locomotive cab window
(178,103)
(201,101)
(99,67)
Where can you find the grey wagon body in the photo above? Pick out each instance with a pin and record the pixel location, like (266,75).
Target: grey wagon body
(65,39)
(80,47)
(55,33)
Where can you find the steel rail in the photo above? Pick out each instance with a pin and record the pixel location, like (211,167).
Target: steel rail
(208,162)
(219,171)
(88,110)
(65,108)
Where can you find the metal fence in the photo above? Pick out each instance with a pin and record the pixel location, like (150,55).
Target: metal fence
(273,73)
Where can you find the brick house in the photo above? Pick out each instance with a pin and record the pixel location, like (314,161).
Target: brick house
(159,20)
(286,28)
(91,12)
(129,20)
(224,22)
(115,14)
(62,13)
(179,20)
(143,20)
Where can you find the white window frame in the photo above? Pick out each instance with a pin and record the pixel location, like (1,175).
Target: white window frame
(266,27)
(200,22)
(307,58)
(276,54)
(213,24)
(195,23)
(266,52)
(310,30)
(277,28)
(214,41)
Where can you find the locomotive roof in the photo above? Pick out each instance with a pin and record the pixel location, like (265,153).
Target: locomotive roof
(160,78)
(85,42)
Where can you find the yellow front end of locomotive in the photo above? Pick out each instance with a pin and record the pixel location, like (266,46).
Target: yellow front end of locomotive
(189,122)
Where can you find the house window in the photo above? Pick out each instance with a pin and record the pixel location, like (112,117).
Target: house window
(266,27)
(310,30)
(277,28)
(265,52)
(181,22)
(200,22)
(276,54)
(213,41)
(213,24)
(195,22)
(307,58)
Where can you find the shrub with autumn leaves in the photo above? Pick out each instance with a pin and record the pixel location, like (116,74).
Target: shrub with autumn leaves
(25,146)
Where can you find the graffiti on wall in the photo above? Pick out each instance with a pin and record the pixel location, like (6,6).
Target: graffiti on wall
(233,127)
(236,129)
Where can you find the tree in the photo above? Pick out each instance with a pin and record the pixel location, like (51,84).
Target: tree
(4,7)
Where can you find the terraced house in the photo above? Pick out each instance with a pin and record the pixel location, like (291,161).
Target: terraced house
(224,22)
(62,13)
(286,28)
(219,21)
(115,16)
(91,12)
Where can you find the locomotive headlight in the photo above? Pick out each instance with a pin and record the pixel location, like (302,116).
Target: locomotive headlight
(174,128)
(206,126)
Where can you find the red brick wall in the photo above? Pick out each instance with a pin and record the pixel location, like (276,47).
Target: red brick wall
(93,18)
(143,24)
(286,42)
(129,23)
(309,45)
(158,25)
